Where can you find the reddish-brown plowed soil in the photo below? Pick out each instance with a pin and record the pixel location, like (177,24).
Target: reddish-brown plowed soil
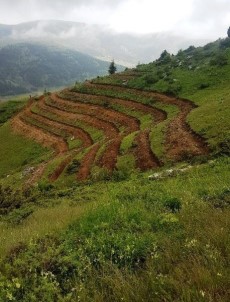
(109,158)
(109,129)
(180,140)
(74,131)
(44,138)
(145,158)
(58,171)
(157,114)
(131,123)
(87,162)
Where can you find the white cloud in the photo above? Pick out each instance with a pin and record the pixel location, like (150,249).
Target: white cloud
(148,16)
(194,18)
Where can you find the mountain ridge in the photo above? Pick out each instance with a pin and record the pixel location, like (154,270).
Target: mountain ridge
(27,67)
(97,40)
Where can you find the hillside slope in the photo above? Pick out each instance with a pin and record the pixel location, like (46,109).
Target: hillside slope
(25,68)
(110,127)
(122,191)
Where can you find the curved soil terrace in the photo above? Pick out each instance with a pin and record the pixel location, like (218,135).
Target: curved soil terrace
(145,158)
(108,159)
(60,168)
(109,129)
(41,136)
(157,114)
(180,138)
(87,162)
(73,131)
(130,123)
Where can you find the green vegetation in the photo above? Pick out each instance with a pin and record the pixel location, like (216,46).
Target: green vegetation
(112,68)
(9,108)
(162,235)
(25,68)
(14,156)
(134,239)
(200,74)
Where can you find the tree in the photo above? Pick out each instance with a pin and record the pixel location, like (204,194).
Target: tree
(112,68)
(165,57)
(229,32)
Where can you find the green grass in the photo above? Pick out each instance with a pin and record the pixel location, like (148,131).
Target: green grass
(157,134)
(123,237)
(96,134)
(211,118)
(126,164)
(146,120)
(13,154)
(43,221)
(201,75)
(131,245)
(9,108)
(127,142)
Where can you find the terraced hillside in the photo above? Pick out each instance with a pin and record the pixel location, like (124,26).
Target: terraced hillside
(160,235)
(100,130)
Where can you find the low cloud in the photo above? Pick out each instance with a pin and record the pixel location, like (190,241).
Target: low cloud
(195,18)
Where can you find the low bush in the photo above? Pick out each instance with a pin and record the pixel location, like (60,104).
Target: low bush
(11,200)
(173,204)
(73,167)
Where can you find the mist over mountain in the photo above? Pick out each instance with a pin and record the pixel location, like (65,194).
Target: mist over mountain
(97,40)
(26,67)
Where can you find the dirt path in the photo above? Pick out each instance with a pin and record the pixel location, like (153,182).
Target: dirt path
(87,162)
(181,140)
(145,158)
(118,118)
(157,114)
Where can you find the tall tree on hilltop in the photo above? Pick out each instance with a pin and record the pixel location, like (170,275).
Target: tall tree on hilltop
(112,68)
(229,32)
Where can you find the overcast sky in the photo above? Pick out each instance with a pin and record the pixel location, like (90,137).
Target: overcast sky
(193,18)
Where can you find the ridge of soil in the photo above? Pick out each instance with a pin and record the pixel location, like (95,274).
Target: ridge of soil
(108,159)
(45,138)
(158,115)
(87,162)
(131,123)
(109,129)
(145,158)
(180,140)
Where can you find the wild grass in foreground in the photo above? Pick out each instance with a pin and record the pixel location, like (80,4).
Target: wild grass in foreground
(13,154)
(164,240)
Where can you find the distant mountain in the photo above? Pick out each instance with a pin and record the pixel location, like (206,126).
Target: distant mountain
(27,67)
(97,40)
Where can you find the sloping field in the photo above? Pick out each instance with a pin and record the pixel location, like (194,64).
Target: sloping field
(88,124)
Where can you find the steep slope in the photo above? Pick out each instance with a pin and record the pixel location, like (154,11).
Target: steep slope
(111,126)
(122,235)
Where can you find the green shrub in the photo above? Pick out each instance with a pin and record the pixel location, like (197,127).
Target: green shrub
(219,60)
(13,199)
(173,204)
(73,167)
(18,215)
(43,186)
(203,86)
(151,78)
(225,43)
